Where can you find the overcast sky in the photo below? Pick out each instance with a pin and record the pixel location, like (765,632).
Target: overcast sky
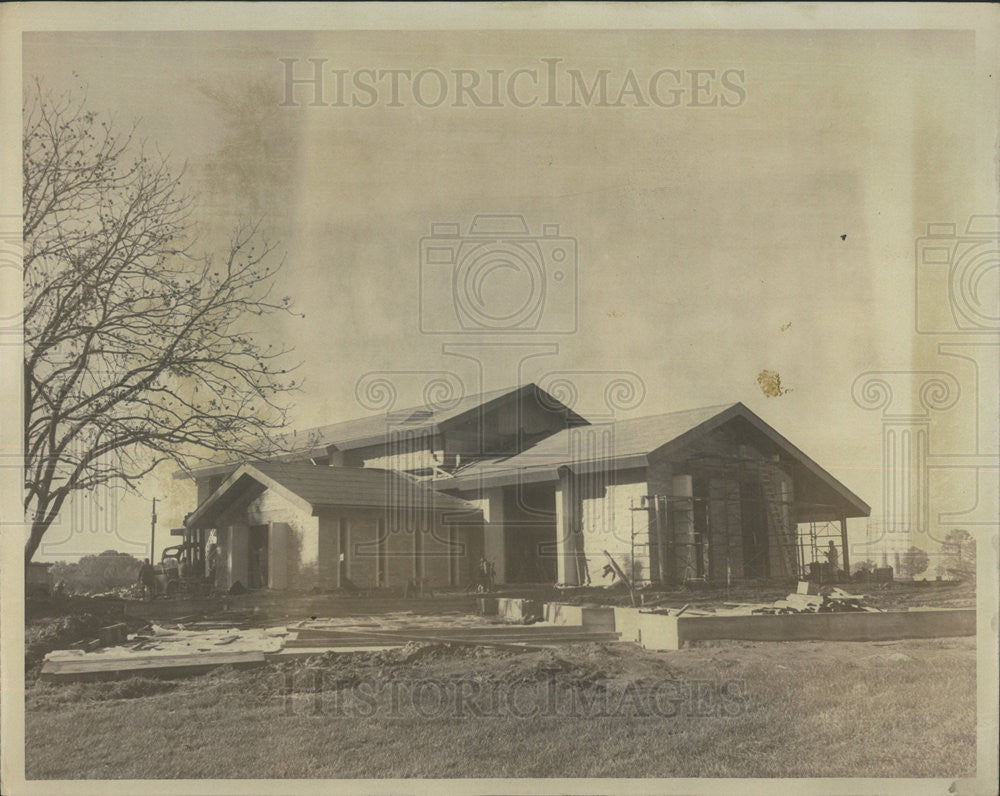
(764,221)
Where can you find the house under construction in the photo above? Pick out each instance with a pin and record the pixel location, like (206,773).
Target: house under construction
(711,495)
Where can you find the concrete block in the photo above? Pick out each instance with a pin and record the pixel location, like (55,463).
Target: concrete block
(664,632)
(808,587)
(627,623)
(514,609)
(563,614)
(658,632)
(590,617)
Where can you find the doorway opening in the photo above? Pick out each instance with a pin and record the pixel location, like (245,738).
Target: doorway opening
(257,563)
(530,533)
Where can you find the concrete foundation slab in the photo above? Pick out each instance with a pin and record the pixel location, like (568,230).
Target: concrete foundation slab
(665,632)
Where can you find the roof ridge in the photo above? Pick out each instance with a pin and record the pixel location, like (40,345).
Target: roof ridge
(705,408)
(415,407)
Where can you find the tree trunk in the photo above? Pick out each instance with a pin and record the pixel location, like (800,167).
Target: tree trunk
(34,539)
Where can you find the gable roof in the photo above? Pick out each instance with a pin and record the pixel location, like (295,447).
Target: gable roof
(423,418)
(629,443)
(372,430)
(626,443)
(313,487)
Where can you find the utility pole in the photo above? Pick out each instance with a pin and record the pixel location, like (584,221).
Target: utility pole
(152,536)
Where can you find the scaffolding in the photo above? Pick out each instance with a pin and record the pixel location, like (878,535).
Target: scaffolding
(739,523)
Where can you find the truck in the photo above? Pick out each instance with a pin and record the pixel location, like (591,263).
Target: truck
(180,571)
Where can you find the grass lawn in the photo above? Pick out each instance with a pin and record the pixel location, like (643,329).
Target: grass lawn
(796,709)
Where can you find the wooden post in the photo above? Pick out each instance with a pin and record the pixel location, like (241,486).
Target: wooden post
(843,545)
(567,549)
(152,536)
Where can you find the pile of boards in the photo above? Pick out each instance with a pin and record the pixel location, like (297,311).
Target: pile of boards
(831,601)
(162,651)
(806,601)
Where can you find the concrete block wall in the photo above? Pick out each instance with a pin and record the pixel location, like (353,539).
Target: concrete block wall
(328,551)
(362,550)
(436,554)
(606,519)
(301,536)
(399,557)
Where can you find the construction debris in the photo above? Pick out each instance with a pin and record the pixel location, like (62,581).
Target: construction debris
(194,648)
(113,634)
(622,577)
(801,602)
(832,600)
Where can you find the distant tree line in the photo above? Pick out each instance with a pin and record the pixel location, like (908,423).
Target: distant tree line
(956,559)
(97,573)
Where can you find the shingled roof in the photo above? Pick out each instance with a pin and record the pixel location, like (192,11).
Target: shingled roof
(373,430)
(314,487)
(628,443)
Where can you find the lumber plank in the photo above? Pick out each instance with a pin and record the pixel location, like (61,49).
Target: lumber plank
(99,667)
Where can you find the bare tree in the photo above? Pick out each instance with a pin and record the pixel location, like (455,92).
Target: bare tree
(136,350)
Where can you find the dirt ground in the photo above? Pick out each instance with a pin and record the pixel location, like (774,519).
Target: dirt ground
(900,708)
(56,625)
(800,709)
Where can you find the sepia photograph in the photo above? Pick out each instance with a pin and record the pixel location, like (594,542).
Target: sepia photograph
(499,398)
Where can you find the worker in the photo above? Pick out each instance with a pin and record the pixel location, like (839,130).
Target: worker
(833,557)
(147,579)
(486,574)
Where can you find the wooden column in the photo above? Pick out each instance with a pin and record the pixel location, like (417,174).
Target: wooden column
(683,524)
(567,533)
(494,533)
(843,546)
